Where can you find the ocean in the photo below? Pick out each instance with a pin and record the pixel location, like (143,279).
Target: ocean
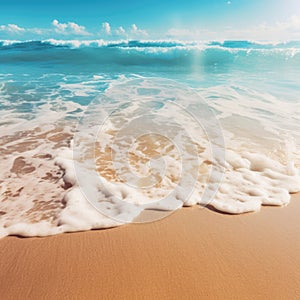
(93,133)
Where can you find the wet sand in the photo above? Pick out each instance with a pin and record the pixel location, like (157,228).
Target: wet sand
(192,254)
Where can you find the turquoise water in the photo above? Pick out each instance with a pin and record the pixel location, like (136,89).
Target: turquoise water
(31,72)
(272,68)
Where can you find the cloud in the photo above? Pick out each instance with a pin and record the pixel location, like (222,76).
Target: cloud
(120,31)
(189,34)
(293,23)
(12,28)
(106,27)
(134,28)
(69,28)
(138,32)
(38,31)
(59,27)
(77,29)
(180,32)
(284,30)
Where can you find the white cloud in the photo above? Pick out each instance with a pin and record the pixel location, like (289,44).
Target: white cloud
(120,31)
(15,29)
(189,34)
(59,27)
(288,29)
(138,32)
(77,29)
(106,27)
(38,30)
(293,23)
(69,28)
(134,28)
(179,32)
(284,30)
(12,28)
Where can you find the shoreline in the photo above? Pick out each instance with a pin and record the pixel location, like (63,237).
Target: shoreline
(194,253)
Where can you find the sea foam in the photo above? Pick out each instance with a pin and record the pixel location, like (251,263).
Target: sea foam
(138,147)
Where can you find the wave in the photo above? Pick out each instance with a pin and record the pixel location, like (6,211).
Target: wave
(255,45)
(149,53)
(7,44)
(230,44)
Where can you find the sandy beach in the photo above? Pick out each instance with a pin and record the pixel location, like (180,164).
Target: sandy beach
(192,254)
(119,122)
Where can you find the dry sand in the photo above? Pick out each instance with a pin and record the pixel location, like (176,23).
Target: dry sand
(192,254)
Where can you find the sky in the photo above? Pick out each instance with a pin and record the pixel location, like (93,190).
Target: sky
(150,19)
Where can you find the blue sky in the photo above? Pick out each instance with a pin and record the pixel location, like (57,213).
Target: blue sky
(150,19)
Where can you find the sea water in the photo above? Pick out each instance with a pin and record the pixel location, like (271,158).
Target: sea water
(95,132)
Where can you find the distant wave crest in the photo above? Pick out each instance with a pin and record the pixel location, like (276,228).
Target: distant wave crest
(231,44)
(134,52)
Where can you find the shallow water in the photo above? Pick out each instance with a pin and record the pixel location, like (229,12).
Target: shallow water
(149,125)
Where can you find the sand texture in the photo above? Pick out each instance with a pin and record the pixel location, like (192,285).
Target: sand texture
(192,254)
